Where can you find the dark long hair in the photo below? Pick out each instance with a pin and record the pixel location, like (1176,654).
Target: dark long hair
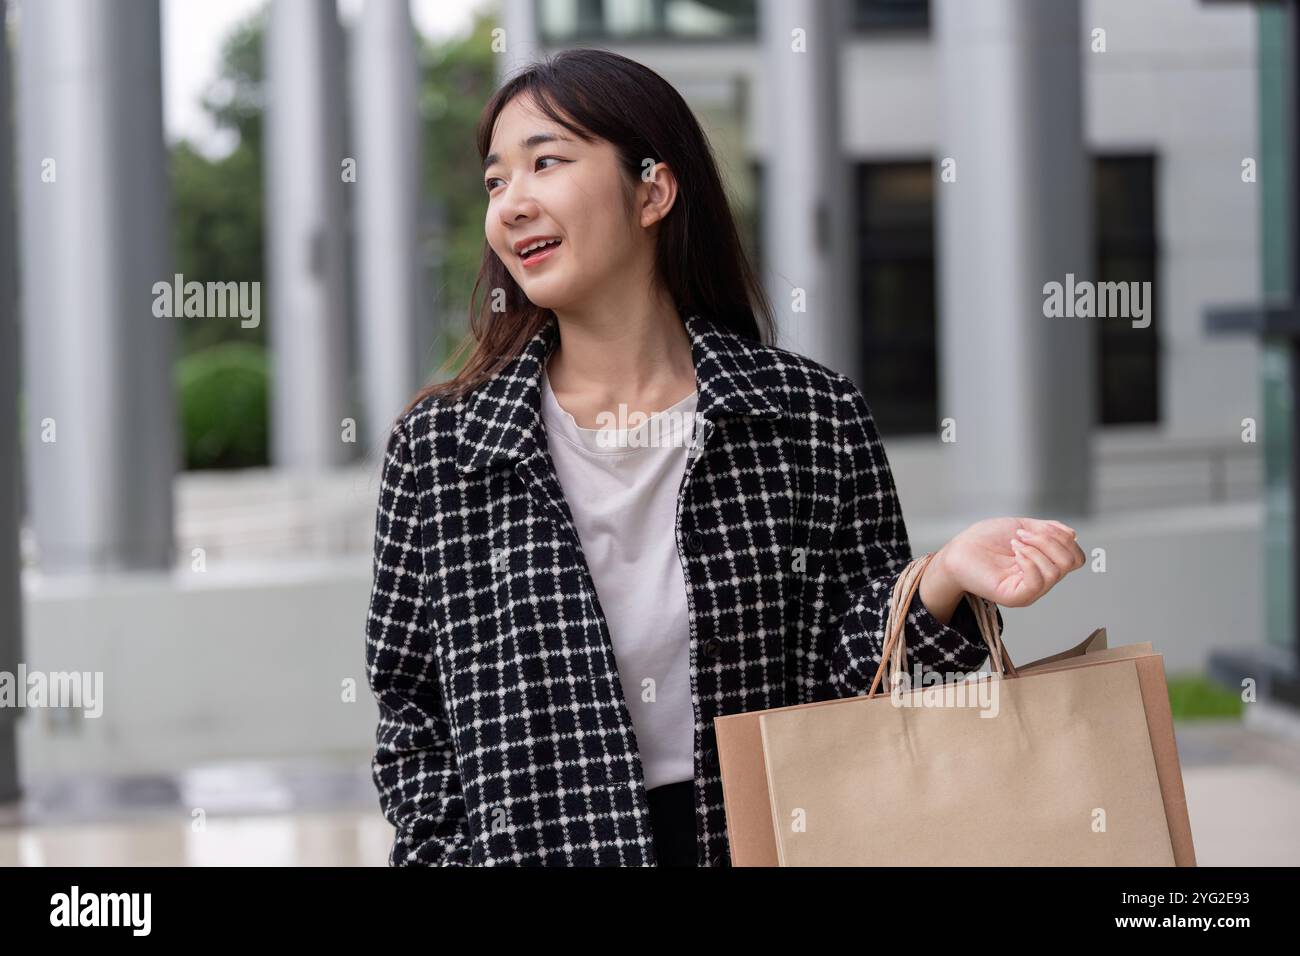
(698,255)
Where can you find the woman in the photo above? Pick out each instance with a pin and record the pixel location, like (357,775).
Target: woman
(556,619)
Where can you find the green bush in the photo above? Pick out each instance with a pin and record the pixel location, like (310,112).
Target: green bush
(1194,696)
(224,401)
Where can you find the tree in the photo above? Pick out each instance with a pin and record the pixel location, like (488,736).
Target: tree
(458,78)
(217,204)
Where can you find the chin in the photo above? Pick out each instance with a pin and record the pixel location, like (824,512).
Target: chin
(547,294)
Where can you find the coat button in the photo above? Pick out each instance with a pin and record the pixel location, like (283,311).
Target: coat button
(694,542)
(713,648)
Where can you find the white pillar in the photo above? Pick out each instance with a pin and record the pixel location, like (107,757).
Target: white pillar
(521,40)
(807,217)
(386,131)
(306,238)
(11,617)
(99,414)
(1019,386)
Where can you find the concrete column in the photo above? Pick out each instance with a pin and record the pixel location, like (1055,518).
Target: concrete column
(1019,386)
(807,215)
(522,43)
(11,606)
(306,235)
(99,417)
(386,123)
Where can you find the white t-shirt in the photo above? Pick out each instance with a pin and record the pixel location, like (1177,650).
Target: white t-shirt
(624,503)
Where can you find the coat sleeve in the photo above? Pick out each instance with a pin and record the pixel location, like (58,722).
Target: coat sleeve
(414,765)
(870,550)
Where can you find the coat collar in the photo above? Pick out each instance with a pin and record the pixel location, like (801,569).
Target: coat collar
(501,419)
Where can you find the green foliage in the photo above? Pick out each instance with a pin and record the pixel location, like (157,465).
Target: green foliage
(235,100)
(223,378)
(218,222)
(457,78)
(224,396)
(218,233)
(219,225)
(1194,696)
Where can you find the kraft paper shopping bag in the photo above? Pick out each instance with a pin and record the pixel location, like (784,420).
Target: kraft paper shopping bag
(1081,755)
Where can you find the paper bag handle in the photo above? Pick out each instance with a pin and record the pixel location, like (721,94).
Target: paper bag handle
(893,657)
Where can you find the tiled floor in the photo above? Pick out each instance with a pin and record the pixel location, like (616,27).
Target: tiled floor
(301,839)
(1242,783)
(1243,788)
(294,813)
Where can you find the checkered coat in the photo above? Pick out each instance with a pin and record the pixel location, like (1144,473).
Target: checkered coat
(503,735)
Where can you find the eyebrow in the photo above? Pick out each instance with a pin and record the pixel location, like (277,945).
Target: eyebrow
(526,144)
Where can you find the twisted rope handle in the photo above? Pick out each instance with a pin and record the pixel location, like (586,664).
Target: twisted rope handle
(893,656)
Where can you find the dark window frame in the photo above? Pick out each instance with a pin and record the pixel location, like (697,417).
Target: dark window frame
(744,29)
(881,15)
(1116,340)
(914,409)
(866,16)
(907,353)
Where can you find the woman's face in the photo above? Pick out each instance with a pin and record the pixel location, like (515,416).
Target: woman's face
(542,181)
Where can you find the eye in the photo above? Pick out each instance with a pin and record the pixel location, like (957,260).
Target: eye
(492,179)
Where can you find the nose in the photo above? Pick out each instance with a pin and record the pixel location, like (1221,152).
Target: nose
(516,205)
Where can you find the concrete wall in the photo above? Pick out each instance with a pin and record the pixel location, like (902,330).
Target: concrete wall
(202,667)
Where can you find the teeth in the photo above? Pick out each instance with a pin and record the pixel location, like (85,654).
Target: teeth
(537,245)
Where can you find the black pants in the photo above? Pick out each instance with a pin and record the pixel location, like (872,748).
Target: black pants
(672,819)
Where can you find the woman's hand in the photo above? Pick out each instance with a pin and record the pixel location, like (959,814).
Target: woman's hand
(1011,561)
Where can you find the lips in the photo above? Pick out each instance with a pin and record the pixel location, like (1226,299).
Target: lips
(529,241)
(539,252)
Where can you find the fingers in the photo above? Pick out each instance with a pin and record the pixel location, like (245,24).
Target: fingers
(1045,551)
(1039,571)
(1061,549)
(1048,526)
(1055,530)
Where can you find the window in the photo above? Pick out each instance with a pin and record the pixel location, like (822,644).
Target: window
(891,14)
(1125,216)
(896,296)
(896,292)
(568,21)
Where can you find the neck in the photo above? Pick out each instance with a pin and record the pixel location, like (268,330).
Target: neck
(640,356)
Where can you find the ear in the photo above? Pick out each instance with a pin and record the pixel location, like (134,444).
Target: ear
(657,191)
